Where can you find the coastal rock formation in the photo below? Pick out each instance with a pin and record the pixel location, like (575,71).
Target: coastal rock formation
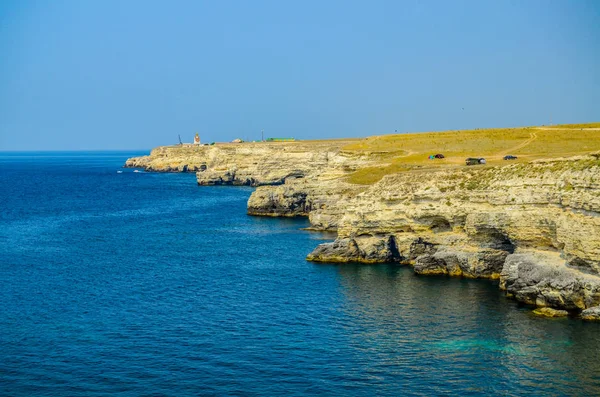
(483,263)
(544,280)
(591,314)
(534,226)
(293,178)
(321,200)
(363,249)
(288,200)
(251,164)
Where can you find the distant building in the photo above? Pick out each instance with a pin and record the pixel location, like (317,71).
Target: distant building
(280,139)
(197,139)
(237,140)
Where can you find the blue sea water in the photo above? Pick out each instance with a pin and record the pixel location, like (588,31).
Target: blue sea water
(141,284)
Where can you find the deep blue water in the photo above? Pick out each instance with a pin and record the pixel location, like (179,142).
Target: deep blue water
(137,284)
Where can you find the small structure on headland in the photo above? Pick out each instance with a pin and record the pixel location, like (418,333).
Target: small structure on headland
(197,139)
(280,139)
(237,140)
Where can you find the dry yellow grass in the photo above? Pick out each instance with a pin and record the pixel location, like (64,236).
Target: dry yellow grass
(584,125)
(403,152)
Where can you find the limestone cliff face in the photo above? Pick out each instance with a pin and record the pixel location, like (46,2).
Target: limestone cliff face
(552,205)
(535,227)
(293,178)
(252,164)
(542,279)
(322,200)
(184,158)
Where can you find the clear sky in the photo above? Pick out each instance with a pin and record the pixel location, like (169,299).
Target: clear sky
(135,74)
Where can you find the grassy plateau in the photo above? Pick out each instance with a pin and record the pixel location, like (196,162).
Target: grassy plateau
(410,152)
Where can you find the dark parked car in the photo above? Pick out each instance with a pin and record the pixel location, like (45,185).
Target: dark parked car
(475,160)
(509,157)
(436,156)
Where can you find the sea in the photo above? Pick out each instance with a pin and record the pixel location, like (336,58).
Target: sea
(123,283)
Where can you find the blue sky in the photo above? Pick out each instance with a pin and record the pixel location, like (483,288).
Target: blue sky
(135,74)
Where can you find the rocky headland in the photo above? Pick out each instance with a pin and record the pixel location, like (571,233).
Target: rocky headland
(533,226)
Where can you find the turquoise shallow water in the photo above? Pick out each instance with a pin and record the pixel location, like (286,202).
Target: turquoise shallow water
(137,284)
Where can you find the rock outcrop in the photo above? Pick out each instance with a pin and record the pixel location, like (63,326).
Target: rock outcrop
(543,279)
(251,164)
(362,249)
(292,178)
(482,263)
(534,226)
(549,312)
(287,200)
(591,314)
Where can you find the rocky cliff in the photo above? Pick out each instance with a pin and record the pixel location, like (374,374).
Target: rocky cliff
(534,226)
(253,164)
(293,178)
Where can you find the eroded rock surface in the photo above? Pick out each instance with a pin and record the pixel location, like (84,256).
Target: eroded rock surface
(543,279)
(591,314)
(364,249)
(482,263)
(549,312)
(286,200)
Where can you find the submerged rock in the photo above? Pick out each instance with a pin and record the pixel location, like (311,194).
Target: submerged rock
(550,312)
